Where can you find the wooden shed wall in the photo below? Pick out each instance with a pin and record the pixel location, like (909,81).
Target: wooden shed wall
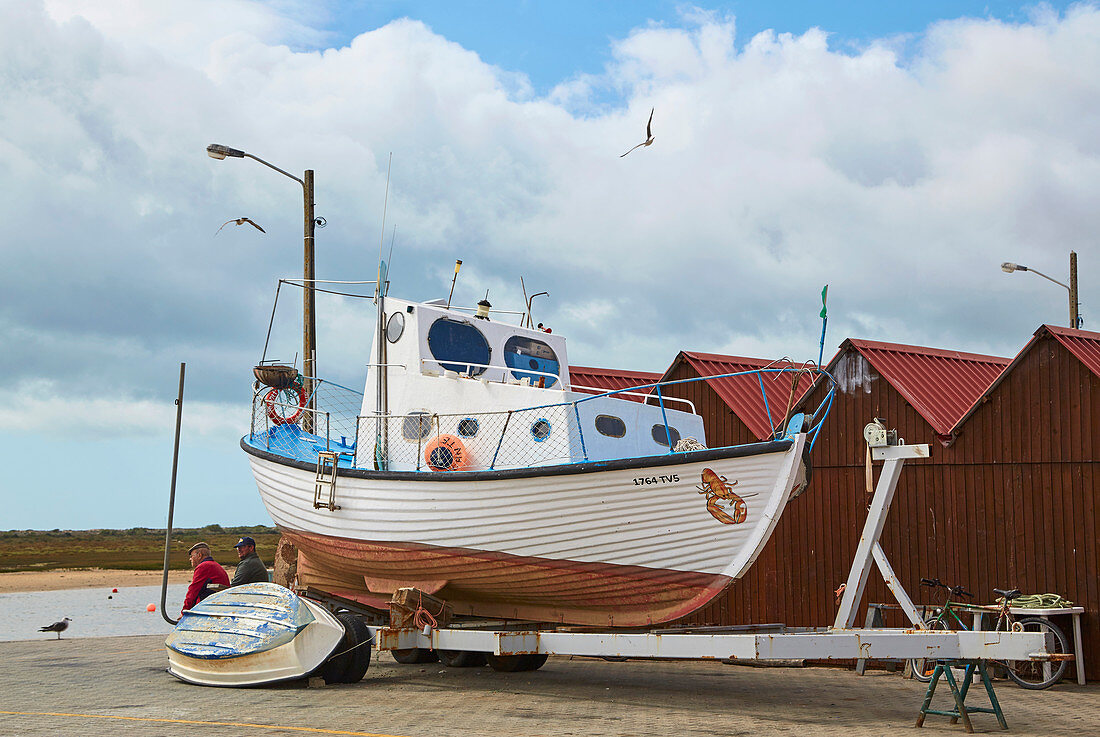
(1011,503)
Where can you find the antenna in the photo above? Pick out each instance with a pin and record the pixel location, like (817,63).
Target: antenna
(389,259)
(458,265)
(526,322)
(385,202)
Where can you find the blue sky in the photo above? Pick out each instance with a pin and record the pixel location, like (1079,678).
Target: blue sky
(897,151)
(553,41)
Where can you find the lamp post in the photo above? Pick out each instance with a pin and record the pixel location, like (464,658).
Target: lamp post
(309,317)
(1074,319)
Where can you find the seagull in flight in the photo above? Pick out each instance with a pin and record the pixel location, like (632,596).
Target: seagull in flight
(648,133)
(57,627)
(240,221)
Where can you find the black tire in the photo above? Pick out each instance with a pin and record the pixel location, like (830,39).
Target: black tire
(1035,674)
(922,668)
(516,663)
(352,657)
(414,655)
(461,658)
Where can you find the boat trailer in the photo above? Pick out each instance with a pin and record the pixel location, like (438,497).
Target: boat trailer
(407,629)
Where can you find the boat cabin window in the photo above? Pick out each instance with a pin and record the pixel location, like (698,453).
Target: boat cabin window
(458,346)
(540,429)
(467,427)
(395,326)
(521,353)
(610,426)
(660,438)
(416,426)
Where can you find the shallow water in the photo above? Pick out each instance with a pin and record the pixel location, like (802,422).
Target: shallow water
(91,612)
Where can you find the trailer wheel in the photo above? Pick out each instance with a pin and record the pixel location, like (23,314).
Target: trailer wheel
(414,655)
(461,658)
(352,658)
(516,663)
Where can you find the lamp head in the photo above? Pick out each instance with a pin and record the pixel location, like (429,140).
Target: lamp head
(218,151)
(1008,267)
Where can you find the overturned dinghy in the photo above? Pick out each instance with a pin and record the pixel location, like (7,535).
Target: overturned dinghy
(263,633)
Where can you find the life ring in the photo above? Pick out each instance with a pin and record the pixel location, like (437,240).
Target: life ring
(446,453)
(275,407)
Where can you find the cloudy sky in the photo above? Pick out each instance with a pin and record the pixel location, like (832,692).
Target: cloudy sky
(899,156)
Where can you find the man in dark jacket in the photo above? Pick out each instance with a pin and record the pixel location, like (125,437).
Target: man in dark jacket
(251,569)
(207,572)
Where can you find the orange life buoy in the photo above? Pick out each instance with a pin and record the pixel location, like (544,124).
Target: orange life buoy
(446,453)
(275,407)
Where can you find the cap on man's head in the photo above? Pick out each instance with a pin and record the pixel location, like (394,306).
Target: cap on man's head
(196,546)
(246,540)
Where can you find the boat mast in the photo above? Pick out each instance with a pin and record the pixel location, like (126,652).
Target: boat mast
(381,449)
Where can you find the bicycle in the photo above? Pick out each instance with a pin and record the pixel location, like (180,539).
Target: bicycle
(1031,674)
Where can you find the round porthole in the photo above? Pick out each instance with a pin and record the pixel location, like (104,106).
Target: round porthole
(395,327)
(468,427)
(416,426)
(540,430)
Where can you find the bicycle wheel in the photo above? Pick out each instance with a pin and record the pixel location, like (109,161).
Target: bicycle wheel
(922,668)
(1039,674)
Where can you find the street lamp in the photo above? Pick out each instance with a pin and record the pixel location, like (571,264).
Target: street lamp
(1074,319)
(309,317)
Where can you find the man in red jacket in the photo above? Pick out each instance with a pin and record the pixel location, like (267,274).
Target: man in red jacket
(207,571)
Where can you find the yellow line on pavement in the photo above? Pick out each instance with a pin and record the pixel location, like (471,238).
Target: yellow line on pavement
(314,730)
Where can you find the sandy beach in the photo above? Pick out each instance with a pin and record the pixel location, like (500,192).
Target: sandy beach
(86,578)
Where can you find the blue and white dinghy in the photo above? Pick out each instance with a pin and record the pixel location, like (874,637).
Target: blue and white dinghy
(263,633)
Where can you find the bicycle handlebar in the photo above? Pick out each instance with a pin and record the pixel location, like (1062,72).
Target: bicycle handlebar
(935,583)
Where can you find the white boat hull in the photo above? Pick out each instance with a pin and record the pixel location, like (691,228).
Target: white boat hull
(615,543)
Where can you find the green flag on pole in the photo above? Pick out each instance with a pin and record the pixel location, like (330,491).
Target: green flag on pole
(824,292)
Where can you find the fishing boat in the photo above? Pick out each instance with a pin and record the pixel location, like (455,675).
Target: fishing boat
(471,468)
(263,633)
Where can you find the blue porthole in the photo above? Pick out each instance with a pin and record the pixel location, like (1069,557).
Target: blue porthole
(458,346)
(540,429)
(468,427)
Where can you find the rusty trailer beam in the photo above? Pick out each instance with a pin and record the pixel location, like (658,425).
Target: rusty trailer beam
(827,645)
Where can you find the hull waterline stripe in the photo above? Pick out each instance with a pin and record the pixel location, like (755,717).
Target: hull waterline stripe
(314,730)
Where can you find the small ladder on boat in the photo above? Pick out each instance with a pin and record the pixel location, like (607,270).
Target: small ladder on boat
(325,483)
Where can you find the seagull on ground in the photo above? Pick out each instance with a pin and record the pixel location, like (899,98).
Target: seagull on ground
(57,627)
(240,221)
(648,133)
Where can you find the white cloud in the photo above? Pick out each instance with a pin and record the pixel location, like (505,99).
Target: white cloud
(43,406)
(780,164)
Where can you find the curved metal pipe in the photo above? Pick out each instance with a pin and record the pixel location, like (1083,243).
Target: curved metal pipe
(172,502)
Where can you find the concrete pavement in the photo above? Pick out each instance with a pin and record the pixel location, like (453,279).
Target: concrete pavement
(118,686)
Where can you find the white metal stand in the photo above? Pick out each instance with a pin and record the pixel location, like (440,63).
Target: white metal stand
(869,549)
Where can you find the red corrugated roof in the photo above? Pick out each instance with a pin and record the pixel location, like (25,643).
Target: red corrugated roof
(742,393)
(597,380)
(1083,344)
(940,385)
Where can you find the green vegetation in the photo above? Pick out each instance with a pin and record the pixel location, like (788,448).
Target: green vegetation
(139,548)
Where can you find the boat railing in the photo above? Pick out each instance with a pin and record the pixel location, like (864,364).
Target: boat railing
(292,423)
(425,441)
(549,434)
(549,379)
(644,397)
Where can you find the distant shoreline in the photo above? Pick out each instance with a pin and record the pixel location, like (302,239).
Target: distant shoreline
(87,578)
